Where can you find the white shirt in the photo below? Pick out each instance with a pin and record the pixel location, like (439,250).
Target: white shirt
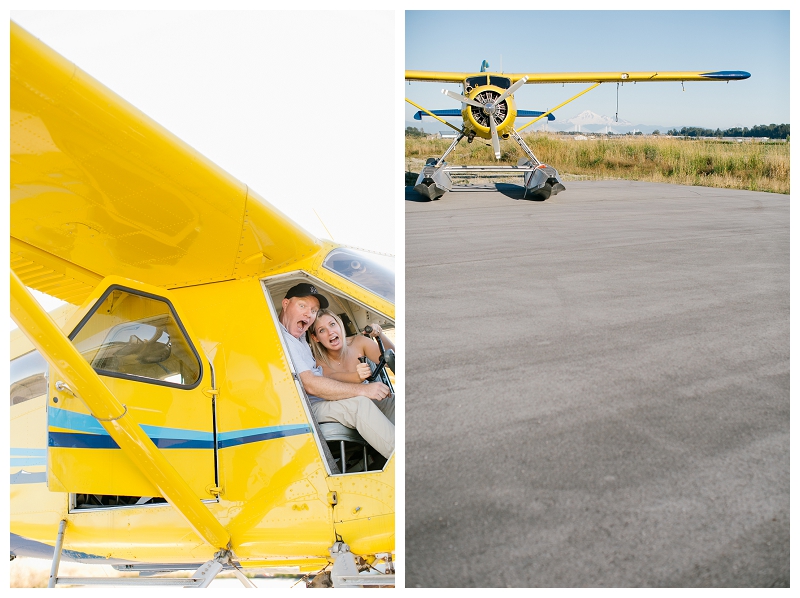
(302,358)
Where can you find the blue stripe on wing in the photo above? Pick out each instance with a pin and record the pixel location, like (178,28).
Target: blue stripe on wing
(533,114)
(727,75)
(455,112)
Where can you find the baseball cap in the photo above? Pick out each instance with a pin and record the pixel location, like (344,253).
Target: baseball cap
(307,290)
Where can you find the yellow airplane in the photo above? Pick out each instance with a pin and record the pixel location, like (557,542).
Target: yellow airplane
(157,421)
(488,111)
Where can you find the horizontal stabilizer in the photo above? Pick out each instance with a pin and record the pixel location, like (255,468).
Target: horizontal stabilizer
(532,113)
(455,112)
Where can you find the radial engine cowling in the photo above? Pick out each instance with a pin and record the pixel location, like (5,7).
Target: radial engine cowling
(478,120)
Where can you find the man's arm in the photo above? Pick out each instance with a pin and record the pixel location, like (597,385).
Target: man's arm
(349,377)
(333,390)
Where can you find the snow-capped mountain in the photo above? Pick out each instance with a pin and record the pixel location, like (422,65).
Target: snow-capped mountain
(591,122)
(587,117)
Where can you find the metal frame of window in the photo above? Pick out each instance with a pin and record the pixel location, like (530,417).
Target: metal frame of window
(132,377)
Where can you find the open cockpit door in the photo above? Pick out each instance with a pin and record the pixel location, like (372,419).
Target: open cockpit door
(343,448)
(133,337)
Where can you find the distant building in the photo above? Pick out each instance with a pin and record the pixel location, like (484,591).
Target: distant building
(447,134)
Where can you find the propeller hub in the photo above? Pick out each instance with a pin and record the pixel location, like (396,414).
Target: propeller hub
(489,107)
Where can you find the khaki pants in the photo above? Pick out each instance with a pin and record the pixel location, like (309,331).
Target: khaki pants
(374,420)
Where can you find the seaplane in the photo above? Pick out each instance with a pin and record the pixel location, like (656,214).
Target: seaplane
(488,111)
(158,424)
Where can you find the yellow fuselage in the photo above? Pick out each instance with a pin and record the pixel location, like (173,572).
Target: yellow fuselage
(102,195)
(274,495)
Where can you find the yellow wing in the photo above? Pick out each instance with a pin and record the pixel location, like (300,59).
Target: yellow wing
(98,188)
(607,77)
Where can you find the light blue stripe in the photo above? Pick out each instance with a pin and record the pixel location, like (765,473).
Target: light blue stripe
(28,478)
(80,422)
(31,461)
(156,432)
(225,436)
(29,452)
(62,418)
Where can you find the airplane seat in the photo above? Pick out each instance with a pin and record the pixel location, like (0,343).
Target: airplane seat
(334,432)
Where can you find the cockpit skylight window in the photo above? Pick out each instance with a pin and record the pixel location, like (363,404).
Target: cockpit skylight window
(372,271)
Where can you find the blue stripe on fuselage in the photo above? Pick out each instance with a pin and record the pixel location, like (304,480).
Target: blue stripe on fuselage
(28,452)
(22,461)
(88,433)
(229,439)
(81,422)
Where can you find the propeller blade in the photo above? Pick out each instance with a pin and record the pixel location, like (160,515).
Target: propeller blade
(512,89)
(495,138)
(460,98)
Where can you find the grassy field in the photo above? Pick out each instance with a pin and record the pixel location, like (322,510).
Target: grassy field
(707,163)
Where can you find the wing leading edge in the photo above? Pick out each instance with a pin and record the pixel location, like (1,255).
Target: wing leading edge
(599,77)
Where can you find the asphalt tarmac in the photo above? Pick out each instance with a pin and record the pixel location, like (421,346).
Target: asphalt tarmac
(597,388)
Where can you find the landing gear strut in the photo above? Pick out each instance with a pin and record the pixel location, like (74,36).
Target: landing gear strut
(541,180)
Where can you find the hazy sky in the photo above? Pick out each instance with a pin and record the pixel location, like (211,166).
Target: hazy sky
(258,93)
(576,41)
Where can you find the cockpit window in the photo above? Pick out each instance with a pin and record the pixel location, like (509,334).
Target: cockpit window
(502,82)
(372,271)
(476,81)
(28,379)
(128,335)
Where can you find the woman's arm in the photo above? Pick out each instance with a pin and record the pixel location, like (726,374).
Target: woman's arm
(369,347)
(378,331)
(352,377)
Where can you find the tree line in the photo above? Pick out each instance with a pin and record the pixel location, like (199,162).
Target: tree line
(770,131)
(415,132)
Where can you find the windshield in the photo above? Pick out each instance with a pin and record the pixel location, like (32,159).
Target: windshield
(372,271)
(476,81)
(502,82)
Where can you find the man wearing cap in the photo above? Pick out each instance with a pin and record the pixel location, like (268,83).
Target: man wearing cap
(364,407)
